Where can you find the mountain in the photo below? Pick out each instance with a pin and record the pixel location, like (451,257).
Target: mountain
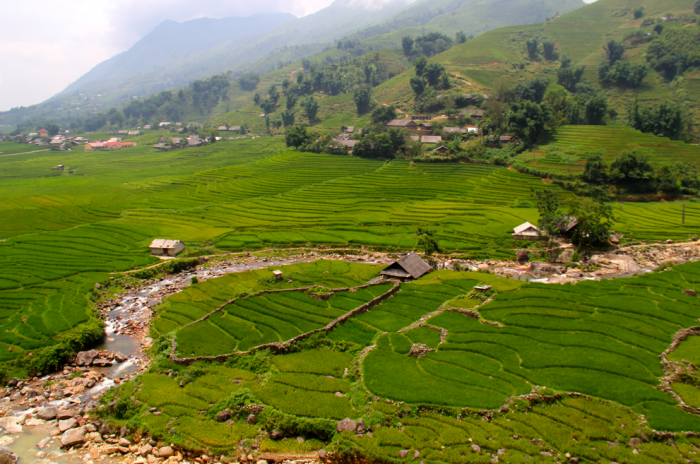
(172,42)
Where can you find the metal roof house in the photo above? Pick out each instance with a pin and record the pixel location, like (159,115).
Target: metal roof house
(527,231)
(164,247)
(431,139)
(402,123)
(409,267)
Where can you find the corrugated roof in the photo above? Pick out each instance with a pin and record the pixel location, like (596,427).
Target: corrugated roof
(524,226)
(400,122)
(411,263)
(163,243)
(431,139)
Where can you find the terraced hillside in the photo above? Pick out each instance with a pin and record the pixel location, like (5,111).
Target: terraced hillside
(66,231)
(569,146)
(536,369)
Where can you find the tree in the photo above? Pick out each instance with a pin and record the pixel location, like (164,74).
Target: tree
(502,89)
(274,95)
(668,181)
(623,73)
(633,171)
(306,64)
(638,12)
(420,65)
(297,136)
(551,219)
(596,109)
(528,120)
(533,90)
(256,98)
(460,37)
(567,76)
(300,77)
(595,170)
(287,118)
(52,129)
(432,73)
(248,81)
(418,85)
(374,146)
(594,218)
(267,123)
(310,106)
(116,117)
(407,44)
(181,94)
(549,49)
(291,101)
(696,7)
(665,121)
(362,97)
(614,51)
(426,239)
(383,114)
(532,47)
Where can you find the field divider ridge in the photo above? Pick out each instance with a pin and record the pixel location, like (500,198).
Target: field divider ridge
(280,347)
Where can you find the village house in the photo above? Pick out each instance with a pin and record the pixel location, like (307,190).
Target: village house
(407,268)
(431,139)
(58,167)
(442,149)
(42,133)
(507,139)
(527,231)
(454,130)
(164,247)
(402,124)
(194,141)
(147,127)
(415,138)
(473,113)
(234,129)
(164,124)
(160,146)
(421,117)
(134,133)
(223,128)
(122,132)
(425,128)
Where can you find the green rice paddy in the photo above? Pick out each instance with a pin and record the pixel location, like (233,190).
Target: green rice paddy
(569,146)
(63,232)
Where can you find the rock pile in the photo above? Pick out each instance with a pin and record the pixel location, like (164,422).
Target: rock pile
(419,350)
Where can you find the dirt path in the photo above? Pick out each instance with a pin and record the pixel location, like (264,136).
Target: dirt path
(23,153)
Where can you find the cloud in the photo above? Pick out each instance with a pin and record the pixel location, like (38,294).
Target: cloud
(46,47)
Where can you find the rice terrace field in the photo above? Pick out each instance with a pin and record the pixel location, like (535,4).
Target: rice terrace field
(534,369)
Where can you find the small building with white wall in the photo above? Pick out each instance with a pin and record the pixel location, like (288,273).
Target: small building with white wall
(164,247)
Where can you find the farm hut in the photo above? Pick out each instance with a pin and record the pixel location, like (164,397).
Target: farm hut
(567,230)
(123,132)
(161,146)
(507,139)
(431,139)
(415,138)
(402,124)
(409,267)
(163,247)
(474,113)
(58,167)
(454,130)
(278,274)
(164,124)
(350,129)
(441,149)
(425,128)
(421,117)
(194,141)
(43,133)
(234,128)
(223,128)
(482,288)
(134,132)
(527,231)
(147,127)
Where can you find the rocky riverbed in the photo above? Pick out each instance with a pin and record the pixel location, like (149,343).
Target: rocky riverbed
(47,419)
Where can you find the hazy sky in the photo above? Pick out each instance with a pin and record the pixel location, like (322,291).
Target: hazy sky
(46,46)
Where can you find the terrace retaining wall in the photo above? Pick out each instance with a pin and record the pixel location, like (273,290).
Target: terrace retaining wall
(283,347)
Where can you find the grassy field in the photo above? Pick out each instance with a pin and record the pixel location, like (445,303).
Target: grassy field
(598,340)
(64,232)
(569,146)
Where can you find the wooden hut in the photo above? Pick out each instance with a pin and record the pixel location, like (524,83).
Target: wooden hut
(409,267)
(527,231)
(164,247)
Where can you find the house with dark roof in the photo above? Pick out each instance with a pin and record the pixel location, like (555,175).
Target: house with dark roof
(402,124)
(441,149)
(431,139)
(409,267)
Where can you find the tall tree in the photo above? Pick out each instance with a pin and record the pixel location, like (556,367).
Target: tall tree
(532,47)
(310,106)
(595,170)
(362,97)
(407,45)
(614,51)
(420,65)
(418,85)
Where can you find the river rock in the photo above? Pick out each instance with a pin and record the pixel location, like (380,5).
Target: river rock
(223,416)
(476,448)
(100,362)
(85,358)
(165,452)
(120,357)
(276,434)
(64,414)
(416,454)
(635,442)
(10,425)
(625,263)
(252,419)
(541,269)
(47,413)
(110,449)
(146,450)
(7,456)
(403,453)
(523,256)
(67,424)
(124,442)
(346,425)
(72,437)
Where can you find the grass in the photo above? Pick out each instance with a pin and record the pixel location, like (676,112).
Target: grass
(569,146)
(687,350)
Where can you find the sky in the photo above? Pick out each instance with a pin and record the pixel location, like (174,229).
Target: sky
(46,47)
